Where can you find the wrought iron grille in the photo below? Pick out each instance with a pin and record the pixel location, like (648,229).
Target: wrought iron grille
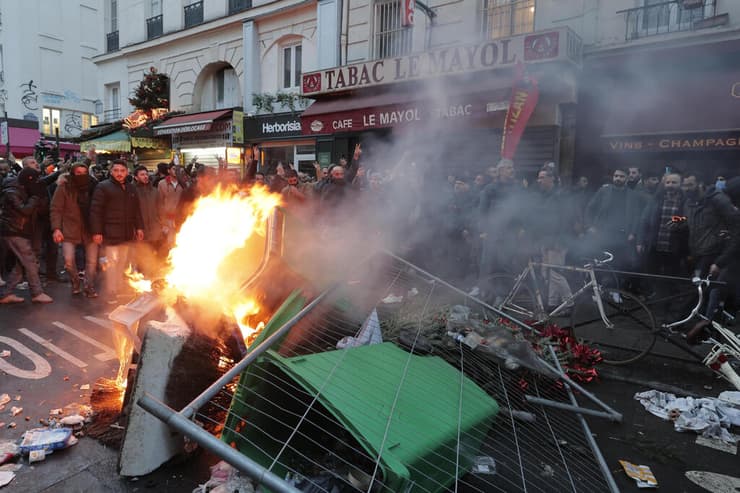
(111,41)
(660,17)
(236,6)
(112,115)
(154,27)
(502,18)
(193,14)
(391,38)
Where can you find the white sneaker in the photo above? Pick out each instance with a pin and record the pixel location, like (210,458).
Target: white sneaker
(22,286)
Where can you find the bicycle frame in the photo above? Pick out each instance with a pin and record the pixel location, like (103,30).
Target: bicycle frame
(716,360)
(542,314)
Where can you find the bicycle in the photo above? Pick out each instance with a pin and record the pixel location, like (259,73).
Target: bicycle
(626,331)
(725,350)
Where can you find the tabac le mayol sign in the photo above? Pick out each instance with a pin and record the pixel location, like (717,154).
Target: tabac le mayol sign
(495,53)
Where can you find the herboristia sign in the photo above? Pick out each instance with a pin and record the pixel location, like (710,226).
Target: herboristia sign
(495,53)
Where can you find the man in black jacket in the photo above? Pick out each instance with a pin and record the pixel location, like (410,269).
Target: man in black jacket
(21,198)
(116,221)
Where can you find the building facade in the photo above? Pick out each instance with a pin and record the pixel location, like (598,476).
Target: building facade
(48,82)
(242,56)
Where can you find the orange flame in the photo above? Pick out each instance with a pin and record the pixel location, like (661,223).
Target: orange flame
(136,280)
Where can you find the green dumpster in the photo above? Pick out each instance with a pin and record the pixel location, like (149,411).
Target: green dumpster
(408,405)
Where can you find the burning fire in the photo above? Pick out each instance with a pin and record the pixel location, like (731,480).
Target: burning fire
(206,265)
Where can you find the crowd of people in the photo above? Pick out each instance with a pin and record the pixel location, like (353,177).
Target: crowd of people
(101,218)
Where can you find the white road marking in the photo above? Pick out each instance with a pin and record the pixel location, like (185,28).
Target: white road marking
(100,321)
(54,348)
(41,367)
(108,352)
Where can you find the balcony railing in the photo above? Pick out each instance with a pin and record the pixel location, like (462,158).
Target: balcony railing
(154,27)
(111,115)
(668,17)
(193,14)
(236,6)
(111,41)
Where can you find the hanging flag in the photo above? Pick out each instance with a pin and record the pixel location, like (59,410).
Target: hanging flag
(524,96)
(407,13)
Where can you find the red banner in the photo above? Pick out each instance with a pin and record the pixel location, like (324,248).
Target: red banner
(524,96)
(407,13)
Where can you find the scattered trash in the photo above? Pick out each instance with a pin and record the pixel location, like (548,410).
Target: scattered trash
(36,456)
(66,379)
(717,444)
(85,387)
(712,417)
(392,299)
(369,334)
(55,412)
(11,467)
(525,416)
(4,399)
(731,397)
(15,411)
(45,439)
(28,418)
(412,292)
(547,471)
(712,481)
(77,408)
(642,474)
(707,387)
(5,354)
(225,479)
(484,464)
(17,398)
(11,424)
(74,420)
(6,477)
(8,450)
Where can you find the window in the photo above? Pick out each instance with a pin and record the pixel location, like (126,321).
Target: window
(226,88)
(292,60)
(88,121)
(156,6)
(502,18)
(115,101)
(113,16)
(51,118)
(390,38)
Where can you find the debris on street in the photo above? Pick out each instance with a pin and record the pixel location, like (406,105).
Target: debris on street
(642,474)
(225,478)
(5,354)
(4,399)
(8,451)
(6,477)
(45,439)
(15,411)
(710,416)
(712,481)
(85,387)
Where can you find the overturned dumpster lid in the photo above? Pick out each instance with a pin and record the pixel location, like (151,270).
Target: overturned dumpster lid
(409,405)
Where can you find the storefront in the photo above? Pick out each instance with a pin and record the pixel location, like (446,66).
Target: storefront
(665,108)
(280,139)
(206,137)
(447,105)
(26,140)
(146,151)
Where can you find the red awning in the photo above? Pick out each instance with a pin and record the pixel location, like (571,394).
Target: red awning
(368,112)
(23,140)
(196,122)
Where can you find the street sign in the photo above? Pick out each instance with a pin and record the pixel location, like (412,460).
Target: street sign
(3,133)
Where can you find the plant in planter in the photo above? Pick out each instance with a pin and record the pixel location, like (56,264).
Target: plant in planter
(263,102)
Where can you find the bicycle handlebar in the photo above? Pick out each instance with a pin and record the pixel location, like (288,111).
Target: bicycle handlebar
(608,258)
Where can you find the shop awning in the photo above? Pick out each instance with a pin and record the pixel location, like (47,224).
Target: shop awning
(196,122)
(397,109)
(23,140)
(118,141)
(150,143)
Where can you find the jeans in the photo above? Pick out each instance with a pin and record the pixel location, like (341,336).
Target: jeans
(25,260)
(91,261)
(117,260)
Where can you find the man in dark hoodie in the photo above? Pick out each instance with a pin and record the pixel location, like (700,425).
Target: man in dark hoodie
(21,199)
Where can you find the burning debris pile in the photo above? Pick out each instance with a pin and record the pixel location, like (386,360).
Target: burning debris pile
(188,324)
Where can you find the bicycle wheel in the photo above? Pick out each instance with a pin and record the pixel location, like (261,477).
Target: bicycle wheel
(633,334)
(521,305)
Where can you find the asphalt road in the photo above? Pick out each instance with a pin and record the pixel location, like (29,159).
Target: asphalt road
(57,348)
